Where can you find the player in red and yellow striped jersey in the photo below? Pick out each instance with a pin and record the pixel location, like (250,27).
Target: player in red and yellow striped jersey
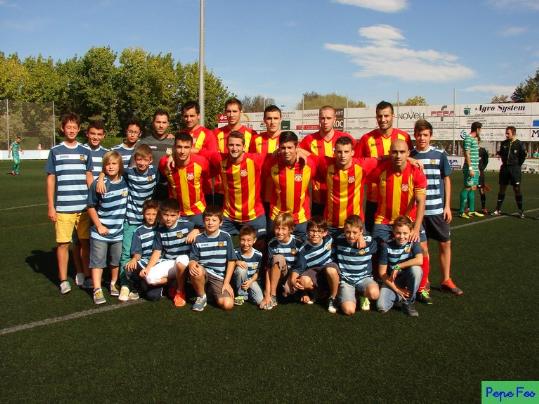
(290,177)
(321,144)
(186,178)
(345,177)
(240,173)
(203,138)
(376,144)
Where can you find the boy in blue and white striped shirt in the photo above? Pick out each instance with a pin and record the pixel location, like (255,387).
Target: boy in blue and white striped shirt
(141,248)
(212,263)
(69,174)
(353,253)
(107,212)
(95,135)
(437,205)
(132,135)
(400,268)
(246,275)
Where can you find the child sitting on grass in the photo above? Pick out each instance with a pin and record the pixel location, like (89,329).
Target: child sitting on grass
(400,269)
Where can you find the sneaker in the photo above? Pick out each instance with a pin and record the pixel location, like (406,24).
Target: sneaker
(485,211)
(272,303)
(449,286)
(133,295)
(521,214)
(99,298)
(200,303)
(79,279)
(464,215)
(114,290)
(364,303)
(239,300)
(424,297)
(427,286)
(332,307)
(409,310)
(124,294)
(496,213)
(179,299)
(65,287)
(476,214)
(88,284)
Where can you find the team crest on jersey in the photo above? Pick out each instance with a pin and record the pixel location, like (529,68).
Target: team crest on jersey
(407,249)
(243,173)
(82,157)
(150,178)
(298,178)
(362,251)
(328,247)
(179,234)
(124,193)
(169,151)
(433,162)
(351,180)
(404,187)
(255,266)
(221,244)
(190,176)
(293,251)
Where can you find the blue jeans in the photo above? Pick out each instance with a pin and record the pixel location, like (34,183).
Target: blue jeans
(407,278)
(254,293)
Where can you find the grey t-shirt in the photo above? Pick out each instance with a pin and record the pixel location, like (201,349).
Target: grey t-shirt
(160,148)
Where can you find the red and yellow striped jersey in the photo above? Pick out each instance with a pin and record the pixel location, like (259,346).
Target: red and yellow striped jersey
(290,187)
(374,144)
(186,183)
(396,191)
(203,138)
(241,186)
(262,144)
(344,196)
(315,144)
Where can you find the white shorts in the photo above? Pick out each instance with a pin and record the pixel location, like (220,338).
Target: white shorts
(165,269)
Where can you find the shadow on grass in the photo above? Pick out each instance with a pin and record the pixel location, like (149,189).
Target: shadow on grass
(45,263)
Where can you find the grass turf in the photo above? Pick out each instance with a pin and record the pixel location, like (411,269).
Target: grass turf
(151,352)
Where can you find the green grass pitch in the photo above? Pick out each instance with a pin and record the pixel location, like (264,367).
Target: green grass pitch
(152,352)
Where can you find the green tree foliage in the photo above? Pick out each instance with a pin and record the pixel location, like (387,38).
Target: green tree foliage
(103,84)
(415,101)
(256,104)
(500,99)
(528,90)
(313,100)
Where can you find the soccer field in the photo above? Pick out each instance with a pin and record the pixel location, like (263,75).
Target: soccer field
(63,348)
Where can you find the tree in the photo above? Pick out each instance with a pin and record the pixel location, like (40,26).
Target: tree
(500,99)
(314,100)
(256,104)
(415,101)
(528,90)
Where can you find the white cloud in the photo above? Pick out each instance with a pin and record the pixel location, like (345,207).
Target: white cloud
(513,31)
(386,55)
(516,4)
(491,89)
(385,6)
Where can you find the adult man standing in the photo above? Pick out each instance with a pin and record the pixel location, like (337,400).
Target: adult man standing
(233,110)
(513,153)
(470,170)
(161,144)
(376,144)
(321,144)
(203,138)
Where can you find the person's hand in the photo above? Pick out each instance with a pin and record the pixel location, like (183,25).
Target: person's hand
(100,186)
(471,172)
(170,163)
(131,265)
(195,269)
(414,235)
(143,273)
(394,274)
(245,285)
(241,264)
(102,230)
(51,213)
(228,289)
(192,236)
(448,215)
(403,292)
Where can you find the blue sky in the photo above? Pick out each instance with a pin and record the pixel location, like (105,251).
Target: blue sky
(365,49)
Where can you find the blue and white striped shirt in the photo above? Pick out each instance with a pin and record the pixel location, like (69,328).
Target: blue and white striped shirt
(254,262)
(141,187)
(436,168)
(97,159)
(172,242)
(125,152)
(314,256)
(69,165)
(110,207)
(355,264)
(214,252)
(142,243)
(288,250)
(391,253)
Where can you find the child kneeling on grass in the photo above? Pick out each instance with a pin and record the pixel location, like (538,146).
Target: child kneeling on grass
(246,279)
(170,254)
(400,268)
(353,253)
(107,212)
(212,263)
(315,259)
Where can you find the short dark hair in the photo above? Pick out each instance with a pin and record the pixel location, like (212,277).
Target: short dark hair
(403,221)
(284,219)
(160,111)
(133,121)
(422,124)
(183,136)
(476,125)
(150,204)
(326,108)
(343,141)
(354,221)
(317,221)
(96,124)
(272,108)
(234,100)
(213,210)
(70,117)
(190,105)
(169,204)
(143,150)
(288,136)
(247,230)
(512,129)
(236,135)
(383,105)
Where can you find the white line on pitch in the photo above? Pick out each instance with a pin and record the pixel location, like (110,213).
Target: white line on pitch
(460,226)
(24,206)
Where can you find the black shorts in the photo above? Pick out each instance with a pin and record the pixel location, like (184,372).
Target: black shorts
(510,175)
(481,179)
(437,228)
